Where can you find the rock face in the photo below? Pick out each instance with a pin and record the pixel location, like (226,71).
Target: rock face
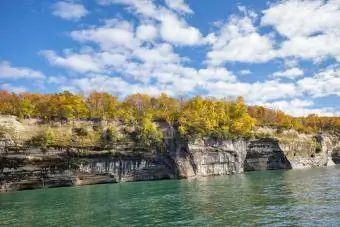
(55,169)
(30,168)
(209,157)
(335,155)
(27,168)
(265,154)
(312,151)
(124,169)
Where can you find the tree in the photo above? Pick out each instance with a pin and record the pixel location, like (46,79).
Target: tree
(195,117)
(26,108)
(148,133)
(166,108)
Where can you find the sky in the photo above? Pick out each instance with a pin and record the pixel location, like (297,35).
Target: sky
(281,54)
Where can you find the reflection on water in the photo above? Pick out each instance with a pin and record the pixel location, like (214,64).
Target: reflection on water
(281,198)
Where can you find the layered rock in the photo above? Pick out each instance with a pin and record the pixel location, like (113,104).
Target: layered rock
(23,167)
(304,151)
(265,154)
(209,157)
(335,155)
(29,169)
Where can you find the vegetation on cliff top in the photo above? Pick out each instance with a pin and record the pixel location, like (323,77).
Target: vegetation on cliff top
(194,117)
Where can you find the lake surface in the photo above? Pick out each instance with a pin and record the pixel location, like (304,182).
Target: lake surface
(309,197)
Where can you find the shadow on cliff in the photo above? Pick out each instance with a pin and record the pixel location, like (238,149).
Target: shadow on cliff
(265,154)
(336,155)
(178,157)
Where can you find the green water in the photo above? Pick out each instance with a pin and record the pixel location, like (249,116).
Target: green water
(273,198)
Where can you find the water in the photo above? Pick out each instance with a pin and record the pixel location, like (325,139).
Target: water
(308,197)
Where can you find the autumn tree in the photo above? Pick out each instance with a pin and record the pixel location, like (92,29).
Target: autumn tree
(194,117)
(102,105)
(166,108)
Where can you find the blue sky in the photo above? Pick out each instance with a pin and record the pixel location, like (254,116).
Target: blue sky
(282,54)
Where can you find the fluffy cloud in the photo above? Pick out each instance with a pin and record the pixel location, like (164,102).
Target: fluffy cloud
(322,84)
(114,85)
(86,62)
(298,107)
(215,74)
(178,32)
(173,28)
(253,92)
(69,10)
(162,53)
(179,5)
(303,18)
(291,73)
(312,28)
(114,33)
(78,62)
(8,72)
(9,87)
(146,32)
(314,47)
(57,80)
(239,41)
(145,8)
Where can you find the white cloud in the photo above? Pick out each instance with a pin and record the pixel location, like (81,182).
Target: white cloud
(298,107)
(172,28)
(291,73)
(8,72)
(179,5)
(146,32)
(290,62)
(11,88)
(253,92)
(178,31)
(78,62)
(115,85)
(322,84)
(87,62)
(162,53)
(312,28)
(239,41)
(295,18)
(113,34)
(215,74)
(142,7)
(69,10)
(57,80)
(314,47)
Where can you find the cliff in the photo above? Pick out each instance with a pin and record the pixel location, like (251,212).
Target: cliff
(265,154)
(30,169)
(27,167)
(23,168)
(208,157)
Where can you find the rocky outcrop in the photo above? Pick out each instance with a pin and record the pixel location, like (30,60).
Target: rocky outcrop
(304,151)
(31,169)
(209,157)
(335,155)
(265,154)
(23,167)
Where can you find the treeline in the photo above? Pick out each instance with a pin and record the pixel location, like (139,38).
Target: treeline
(278,119)
(197,116)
